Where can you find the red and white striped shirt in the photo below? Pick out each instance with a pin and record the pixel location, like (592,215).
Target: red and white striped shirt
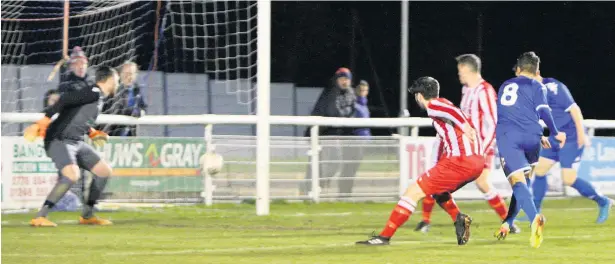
(479,104)
(448,120)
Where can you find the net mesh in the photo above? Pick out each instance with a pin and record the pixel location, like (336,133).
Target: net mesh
(217,38)
(109,33)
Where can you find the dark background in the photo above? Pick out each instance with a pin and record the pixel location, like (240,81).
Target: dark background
(310,40)
(575,40)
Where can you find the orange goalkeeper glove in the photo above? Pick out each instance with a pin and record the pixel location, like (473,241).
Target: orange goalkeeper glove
(38,129)
(98,137)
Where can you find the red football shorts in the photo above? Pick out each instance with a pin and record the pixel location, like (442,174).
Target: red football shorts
(450,174)
(489,157)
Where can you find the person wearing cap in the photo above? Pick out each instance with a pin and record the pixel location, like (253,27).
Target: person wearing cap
(354,154)
(75,77)
(337,101)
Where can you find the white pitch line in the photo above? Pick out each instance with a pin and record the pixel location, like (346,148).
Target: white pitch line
(270,248)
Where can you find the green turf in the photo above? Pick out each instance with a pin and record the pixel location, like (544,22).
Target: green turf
(303,233)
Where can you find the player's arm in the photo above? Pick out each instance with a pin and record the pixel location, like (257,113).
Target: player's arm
(544,112)
(450,113)
(447,112)
(438,150)
(487,106)
(437,109)
(69,98)
(575,113)
(73,98)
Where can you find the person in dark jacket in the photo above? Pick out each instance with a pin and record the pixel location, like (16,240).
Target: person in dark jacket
(337,101)
(353,153)
(128,101)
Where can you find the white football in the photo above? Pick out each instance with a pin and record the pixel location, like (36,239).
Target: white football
(211,163)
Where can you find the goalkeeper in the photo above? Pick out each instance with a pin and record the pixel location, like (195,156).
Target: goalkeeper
(77,110)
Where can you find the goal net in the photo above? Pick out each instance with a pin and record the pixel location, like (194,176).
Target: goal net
(109,32)
(216,38)
(33,41)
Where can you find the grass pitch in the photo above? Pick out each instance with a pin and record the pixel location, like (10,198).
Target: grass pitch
(303,233)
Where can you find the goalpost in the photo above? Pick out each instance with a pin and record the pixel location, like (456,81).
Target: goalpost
(263,107)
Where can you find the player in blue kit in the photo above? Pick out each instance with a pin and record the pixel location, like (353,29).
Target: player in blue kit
(569,120)
(521,102)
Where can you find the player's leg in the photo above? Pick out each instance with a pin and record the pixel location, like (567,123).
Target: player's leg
(493,198)
(89,159)
(424,225)
(515,163)
(400,214)
(63,155)
(569,155)
(446,176)
(467,171)
(484,185)
(429,183)
(532,154)
(461,221)
(548,157)
(446,202)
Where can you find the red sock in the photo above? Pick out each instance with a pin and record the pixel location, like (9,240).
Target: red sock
(451,208)
(428,203)
(497,203)
(399,216)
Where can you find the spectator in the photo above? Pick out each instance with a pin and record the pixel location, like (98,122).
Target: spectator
(128,101)
(337,101)
(76,77)
(361,108)
(352,155)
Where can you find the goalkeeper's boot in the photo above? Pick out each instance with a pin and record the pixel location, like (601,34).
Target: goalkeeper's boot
(503,231)
(375,240)
(462,228)
(538,226)
(42,222)
(94,220)
(423,227)
(604,211)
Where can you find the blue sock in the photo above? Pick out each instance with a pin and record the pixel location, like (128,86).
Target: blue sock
(539,190)
(524,198)
(587,190)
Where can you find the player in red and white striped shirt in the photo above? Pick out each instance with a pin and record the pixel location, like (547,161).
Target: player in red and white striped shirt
(462,164)
(478,103)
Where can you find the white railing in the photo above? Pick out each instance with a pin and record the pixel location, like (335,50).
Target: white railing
(314,121)
(273,120)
